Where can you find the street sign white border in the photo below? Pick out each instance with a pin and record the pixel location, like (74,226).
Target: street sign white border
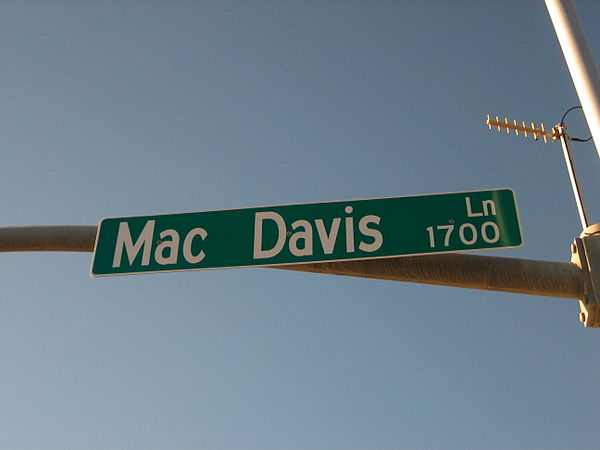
(304,262)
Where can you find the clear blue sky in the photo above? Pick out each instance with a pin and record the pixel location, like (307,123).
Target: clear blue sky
(132,108)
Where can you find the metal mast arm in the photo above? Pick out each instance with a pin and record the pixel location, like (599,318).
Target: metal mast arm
(48,238)
(548,278)
(492,273)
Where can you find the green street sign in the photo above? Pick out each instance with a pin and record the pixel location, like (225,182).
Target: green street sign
(315,232)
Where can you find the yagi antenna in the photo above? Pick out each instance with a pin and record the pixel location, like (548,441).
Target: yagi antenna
(558,133)
(526,130)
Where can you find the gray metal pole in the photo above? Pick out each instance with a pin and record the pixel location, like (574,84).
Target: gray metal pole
(48,238)
(579,61)
(575,184)
(492,273)
(553,279)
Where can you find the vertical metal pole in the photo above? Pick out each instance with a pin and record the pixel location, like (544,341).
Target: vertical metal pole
(579,61)
(564,140)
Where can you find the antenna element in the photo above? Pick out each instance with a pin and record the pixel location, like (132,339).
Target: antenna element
(533,129)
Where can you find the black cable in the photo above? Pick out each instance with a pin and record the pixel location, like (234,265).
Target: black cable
(563,121)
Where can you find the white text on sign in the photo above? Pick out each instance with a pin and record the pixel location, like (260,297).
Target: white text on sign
(467,232)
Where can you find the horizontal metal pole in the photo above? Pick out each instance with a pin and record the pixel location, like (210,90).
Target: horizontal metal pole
(525,276)
(48,238)
(492,273)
